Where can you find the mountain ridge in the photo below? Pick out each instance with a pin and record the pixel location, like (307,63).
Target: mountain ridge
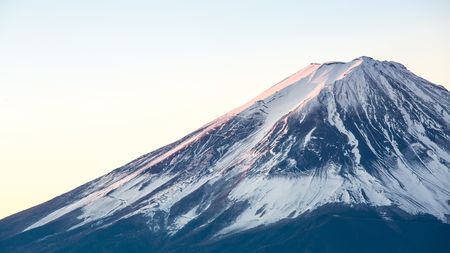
(364,132)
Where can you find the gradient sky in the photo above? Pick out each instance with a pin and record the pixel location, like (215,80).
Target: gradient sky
(86,86)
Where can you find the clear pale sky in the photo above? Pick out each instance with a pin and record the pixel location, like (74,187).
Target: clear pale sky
(86,86)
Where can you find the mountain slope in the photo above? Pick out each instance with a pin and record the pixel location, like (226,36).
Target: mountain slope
(364,135)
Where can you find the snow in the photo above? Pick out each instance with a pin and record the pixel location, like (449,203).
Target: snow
(182,220)
(273,198)
(279,197)
(99,204)
(282,197)
(301,74)
(308,137)
(335,120)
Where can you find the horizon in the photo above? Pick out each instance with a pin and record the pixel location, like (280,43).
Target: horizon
(86,88)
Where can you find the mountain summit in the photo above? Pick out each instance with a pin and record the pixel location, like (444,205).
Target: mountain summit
(338,157)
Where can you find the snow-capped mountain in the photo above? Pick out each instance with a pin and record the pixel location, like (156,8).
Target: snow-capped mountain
(366,137)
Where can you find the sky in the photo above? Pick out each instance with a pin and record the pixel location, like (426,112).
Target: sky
(87,86)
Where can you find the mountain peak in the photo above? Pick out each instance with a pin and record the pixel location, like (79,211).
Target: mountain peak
(359,133)
(297,89)
(365,58)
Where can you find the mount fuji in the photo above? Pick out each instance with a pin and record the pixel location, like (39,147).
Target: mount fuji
(338,157)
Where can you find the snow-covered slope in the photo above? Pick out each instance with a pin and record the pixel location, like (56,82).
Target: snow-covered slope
(364,132)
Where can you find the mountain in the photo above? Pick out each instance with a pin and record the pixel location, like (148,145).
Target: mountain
(338,157)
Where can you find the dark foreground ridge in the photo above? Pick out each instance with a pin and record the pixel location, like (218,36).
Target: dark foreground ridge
(329,229)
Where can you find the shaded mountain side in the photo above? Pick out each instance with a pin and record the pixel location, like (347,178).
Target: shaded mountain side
(332,228)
